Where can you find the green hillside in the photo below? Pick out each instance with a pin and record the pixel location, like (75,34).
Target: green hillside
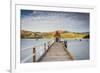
(43,35)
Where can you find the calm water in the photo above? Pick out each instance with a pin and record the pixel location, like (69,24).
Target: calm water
(80,49)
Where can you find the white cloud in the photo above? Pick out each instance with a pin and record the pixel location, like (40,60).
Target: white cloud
(56,21)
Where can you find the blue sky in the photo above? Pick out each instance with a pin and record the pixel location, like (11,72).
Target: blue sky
(46,21)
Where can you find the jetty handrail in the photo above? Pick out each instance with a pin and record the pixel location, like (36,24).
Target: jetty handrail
(43,47)
(31,47)
(34,46)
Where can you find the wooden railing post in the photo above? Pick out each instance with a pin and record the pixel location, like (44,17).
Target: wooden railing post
(65,44)
(45,47)
(48,44)
(34,56)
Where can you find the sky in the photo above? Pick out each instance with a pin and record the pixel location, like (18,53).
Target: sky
(48,21)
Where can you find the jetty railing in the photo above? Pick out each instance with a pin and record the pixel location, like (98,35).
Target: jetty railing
(36,52)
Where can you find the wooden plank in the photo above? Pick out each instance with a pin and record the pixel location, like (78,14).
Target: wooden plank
(56,53)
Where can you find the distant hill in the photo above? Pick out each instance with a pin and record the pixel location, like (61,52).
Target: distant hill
(64,34)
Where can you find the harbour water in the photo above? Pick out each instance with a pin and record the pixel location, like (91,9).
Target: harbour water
(78,48)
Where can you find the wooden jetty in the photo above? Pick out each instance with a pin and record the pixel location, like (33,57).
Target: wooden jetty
(51,51)
(57,52)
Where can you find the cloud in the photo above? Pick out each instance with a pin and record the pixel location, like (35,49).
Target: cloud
(51,21)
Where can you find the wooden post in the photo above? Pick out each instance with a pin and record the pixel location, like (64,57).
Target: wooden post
(34,57)
(65,44)
(48,44)
(45,47)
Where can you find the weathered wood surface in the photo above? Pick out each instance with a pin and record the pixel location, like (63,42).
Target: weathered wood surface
(57,52)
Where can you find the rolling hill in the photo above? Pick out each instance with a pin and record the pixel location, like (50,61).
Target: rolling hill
(64,34)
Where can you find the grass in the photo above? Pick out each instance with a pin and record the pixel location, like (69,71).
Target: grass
(49,35)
